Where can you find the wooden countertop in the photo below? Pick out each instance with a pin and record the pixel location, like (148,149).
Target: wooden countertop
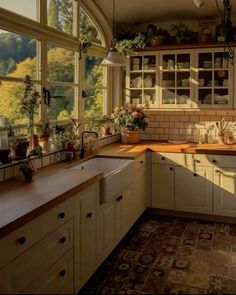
(21,202)
(134,150)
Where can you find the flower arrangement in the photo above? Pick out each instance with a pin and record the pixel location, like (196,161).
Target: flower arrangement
(130,117)
(30,101)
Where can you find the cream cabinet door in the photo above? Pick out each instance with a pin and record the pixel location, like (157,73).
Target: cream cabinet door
(85,235)
(124,211)
(163,186)
(194,189)
(140,191)
(224,192)
(106,229)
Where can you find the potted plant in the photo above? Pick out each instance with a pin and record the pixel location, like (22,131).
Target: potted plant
(156,36)
(20,146)
(131,119)
(183,34)
(127,46)
(27,168)
(43,131)
(29,106)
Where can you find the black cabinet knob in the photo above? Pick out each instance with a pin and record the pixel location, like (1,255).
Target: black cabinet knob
(194,174)
(119,198)
(62,273)
(141,162)
(21,240)
(62,240)
(213,161)
(90,214)
(163,158)
(171,168)
(62,215)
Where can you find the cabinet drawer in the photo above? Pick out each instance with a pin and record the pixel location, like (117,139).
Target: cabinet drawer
(32,263)
(23,238)
(55,279)
(169,158)
(140,162)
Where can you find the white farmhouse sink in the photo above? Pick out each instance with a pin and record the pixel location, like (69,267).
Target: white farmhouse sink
(117,173)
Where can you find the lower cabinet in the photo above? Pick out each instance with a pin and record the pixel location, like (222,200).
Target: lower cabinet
(163,180)
(225,191)
(140,188)
(85,235)
(193,189)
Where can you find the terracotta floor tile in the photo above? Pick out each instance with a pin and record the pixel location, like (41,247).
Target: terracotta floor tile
(165,255)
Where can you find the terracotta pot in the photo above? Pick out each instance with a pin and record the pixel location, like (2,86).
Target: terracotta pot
(129,136)
(44,142)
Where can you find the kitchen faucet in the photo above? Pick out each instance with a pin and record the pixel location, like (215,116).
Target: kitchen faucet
(82,151)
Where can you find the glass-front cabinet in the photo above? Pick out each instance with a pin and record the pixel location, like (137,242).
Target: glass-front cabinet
(214,83)
(142,80)
(189,78)
(175,89)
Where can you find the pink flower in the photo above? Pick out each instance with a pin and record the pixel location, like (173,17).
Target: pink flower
(135,114)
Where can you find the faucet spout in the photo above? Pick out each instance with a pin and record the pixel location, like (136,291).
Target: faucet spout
(82,151)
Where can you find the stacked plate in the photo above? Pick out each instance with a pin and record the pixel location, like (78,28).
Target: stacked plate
(207,64)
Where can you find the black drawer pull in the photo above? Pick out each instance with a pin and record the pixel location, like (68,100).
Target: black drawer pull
(62,240)
(163,158)
(90,214)
(141,162)
(119,198)
(62,215)
(171,168)
(213,161)
(21,240)
(194,174)
(62,273)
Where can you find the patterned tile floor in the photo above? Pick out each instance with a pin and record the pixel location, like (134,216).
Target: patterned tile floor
(162,255)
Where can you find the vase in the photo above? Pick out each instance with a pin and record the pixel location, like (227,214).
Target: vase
(130,136)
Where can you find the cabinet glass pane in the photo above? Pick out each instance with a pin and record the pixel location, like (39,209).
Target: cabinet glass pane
(168,79)
(205,78)
(183,79)
(149,62)
(183,96)
(219,61)
(149,80)
(136,63)
(221,96)
(205,96)
(183,61)
(205,60)
(168,62)
(168,96)
(149,96)
(136,96)
(136,80)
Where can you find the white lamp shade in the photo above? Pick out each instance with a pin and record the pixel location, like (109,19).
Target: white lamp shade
(113,59)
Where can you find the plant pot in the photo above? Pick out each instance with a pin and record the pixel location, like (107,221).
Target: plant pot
(28,176)
(4,156)
(129,136)
(44,142)
(34,141)
(106,130)
(21,149)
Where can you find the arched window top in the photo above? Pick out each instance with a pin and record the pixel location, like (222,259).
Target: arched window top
(89,31)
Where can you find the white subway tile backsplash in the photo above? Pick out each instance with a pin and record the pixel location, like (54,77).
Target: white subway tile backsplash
(46,161)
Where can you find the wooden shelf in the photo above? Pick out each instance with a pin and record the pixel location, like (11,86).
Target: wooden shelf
(184,46)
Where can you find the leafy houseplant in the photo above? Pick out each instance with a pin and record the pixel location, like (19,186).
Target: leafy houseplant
(126,46)
(131,119)
(183,34)
(27,167)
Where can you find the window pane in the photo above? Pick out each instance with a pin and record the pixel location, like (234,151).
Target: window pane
(93,102)
(61,64)
(25,8)
(17,55)
(10,95)
(94,71)
(62,106)
(88,30)
(60,15)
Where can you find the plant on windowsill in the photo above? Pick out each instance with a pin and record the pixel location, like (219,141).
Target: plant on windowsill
(131,119)
(44,132)
(27,167)
(29,106)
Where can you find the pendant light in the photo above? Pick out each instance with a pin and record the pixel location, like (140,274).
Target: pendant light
(113,58)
